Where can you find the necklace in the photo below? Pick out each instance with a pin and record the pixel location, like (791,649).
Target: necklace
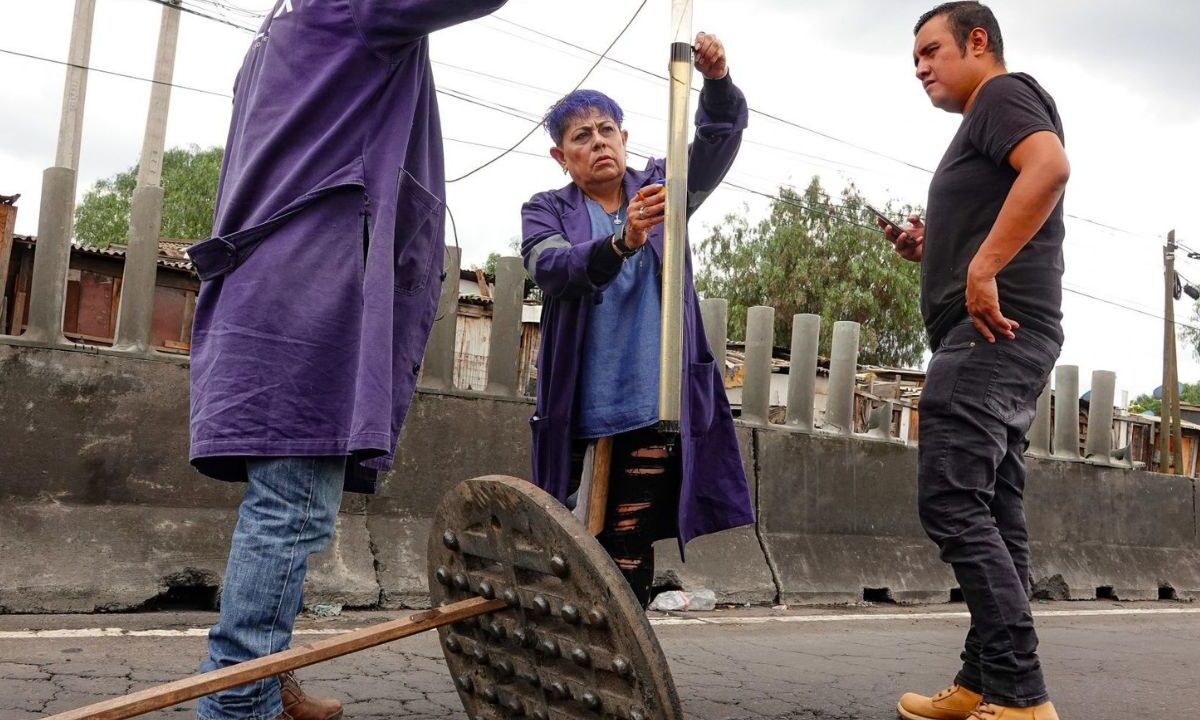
(617,216)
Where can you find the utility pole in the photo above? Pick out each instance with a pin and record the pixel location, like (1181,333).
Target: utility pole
(136,312)
(56,216)
(1170,428)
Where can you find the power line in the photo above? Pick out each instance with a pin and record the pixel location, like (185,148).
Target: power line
(1130,308)
(770,116)
(799,126)
(578,85)
(116,74)
(183,8)
(601,57)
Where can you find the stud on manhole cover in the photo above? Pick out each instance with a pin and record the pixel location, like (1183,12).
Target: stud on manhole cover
(573,641)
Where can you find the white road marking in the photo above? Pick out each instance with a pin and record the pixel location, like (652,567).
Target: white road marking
(83,633)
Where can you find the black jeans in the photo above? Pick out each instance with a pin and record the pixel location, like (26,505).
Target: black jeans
(978,403)
(643,502)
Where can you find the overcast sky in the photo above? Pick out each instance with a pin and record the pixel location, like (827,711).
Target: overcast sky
(1126,77)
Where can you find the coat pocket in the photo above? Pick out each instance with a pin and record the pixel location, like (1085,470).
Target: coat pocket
(221,254)
(701,395)
(418,239)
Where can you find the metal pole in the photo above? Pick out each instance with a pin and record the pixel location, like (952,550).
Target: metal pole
(136,313)
(670,385)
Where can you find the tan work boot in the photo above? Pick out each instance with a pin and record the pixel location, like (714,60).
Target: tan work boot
(298,706)
(988,711)
(953,703)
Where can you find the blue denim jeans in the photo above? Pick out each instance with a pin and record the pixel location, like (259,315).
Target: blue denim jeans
(288,513)
(979,401)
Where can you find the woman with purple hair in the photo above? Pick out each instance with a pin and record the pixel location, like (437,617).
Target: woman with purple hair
(595,247)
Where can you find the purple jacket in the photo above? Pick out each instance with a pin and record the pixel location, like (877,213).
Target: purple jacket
(557,246)
(321,279)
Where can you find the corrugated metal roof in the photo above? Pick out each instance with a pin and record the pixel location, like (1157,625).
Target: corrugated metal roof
(170,252)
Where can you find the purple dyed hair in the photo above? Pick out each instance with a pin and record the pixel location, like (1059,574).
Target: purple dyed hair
(576,105)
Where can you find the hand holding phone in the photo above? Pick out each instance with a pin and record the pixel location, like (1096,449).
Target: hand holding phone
(886,221)
(907,239)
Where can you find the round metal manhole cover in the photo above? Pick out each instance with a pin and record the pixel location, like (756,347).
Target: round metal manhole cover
(573,641)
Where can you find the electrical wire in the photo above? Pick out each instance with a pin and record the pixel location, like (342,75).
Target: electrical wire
(116,74)
(578,85)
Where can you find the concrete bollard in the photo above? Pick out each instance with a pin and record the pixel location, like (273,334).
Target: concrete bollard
(843,367)
(802,377)
(879,426)
(136,314)
(1066,413)
(48,296)
(1100,418)
(715,315)
(756,387)
(1039,432)
(438,367)
(504,345)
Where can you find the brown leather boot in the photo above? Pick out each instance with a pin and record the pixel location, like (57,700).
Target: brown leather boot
(953,703)
(988,711)
(298,706)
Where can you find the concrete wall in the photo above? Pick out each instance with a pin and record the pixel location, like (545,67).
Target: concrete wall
(99,509)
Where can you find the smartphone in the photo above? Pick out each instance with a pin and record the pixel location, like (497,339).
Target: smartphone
(652,183)
(898,228)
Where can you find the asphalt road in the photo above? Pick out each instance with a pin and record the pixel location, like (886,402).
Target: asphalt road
(1104,661)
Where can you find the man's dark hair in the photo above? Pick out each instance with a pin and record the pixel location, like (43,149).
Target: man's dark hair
(963,17)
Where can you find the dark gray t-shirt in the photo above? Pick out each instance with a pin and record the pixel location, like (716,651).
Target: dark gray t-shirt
(968,189)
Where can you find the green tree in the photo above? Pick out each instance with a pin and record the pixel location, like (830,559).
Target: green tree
(514,250)
(812,255)
(189,181)
(1189,394)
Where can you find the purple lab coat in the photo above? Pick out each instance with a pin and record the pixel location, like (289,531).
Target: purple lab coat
(322,276)
(557,245)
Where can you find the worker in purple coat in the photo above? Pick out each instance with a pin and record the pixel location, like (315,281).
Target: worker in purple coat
(319,287)
(595,247)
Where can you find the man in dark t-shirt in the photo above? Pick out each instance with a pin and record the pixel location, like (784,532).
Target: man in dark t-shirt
(991,295)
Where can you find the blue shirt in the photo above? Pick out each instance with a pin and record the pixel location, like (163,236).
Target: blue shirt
(618,382)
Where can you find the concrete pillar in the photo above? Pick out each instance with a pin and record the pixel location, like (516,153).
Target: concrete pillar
(1100,417)
(715,314)
(70,126)
(8,225)
(879,427)
(756,385)
(843,367)
(504,344)
(802,377)
(1066,413)
(1039,432)
(48,294)
(438,368)
(136,315)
